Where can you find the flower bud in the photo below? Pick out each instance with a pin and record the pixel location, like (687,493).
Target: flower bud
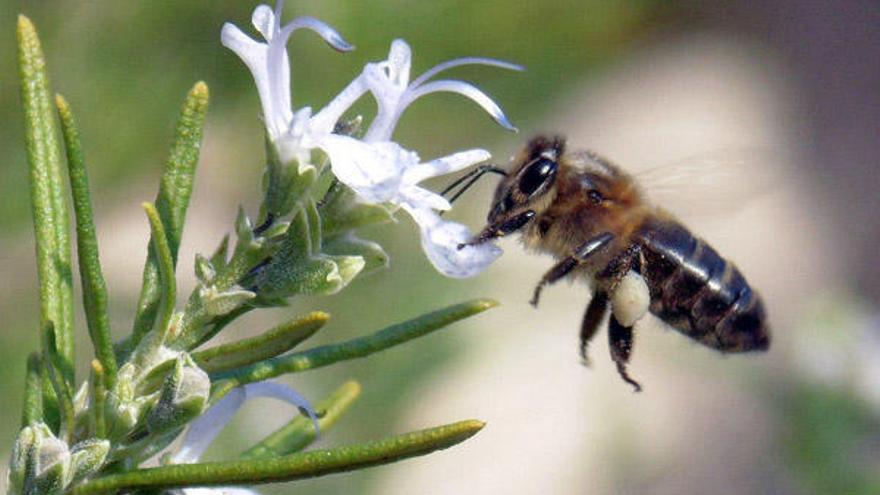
(220,303)
(88,456)
(40,461)
(244,229)
(372,253)
(204,270)
(25,448)
(123,409)
(183,397)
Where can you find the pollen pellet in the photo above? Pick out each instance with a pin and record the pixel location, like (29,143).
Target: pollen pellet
(631,299)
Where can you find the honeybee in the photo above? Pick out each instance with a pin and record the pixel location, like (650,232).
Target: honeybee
(591,216)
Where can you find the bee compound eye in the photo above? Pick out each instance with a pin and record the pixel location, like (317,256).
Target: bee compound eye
(536,175)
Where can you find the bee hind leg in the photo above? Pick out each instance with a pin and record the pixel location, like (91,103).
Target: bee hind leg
(620,342)
(592,319)
(564,267)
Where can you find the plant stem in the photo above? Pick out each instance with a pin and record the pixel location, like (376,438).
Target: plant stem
(32,412)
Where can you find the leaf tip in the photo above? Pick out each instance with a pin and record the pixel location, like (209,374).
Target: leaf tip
(472,425)
(25,26)
(484,304)
(319,317)
(200,92)
(352,388)
(61,104)
(200,87)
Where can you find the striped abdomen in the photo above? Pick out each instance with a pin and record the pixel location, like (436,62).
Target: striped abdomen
(698,292)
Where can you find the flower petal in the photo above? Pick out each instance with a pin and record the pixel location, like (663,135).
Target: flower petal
(284,393)
(265,21)
(445,165)
(278,47)
(399,62)
(254,54)
(465,89)
(205,429)
(373,170)
(433,71)
(440,241)
(324,121)
(420,197)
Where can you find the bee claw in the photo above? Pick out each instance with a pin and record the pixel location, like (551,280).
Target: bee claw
(536,296)
(621,369)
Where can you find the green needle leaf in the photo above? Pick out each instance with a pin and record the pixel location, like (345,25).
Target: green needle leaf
(54,365)
(276,341)
(172,201)
(300,432)
(99,398)
(165,264)
(355,348)
(32,411)
(93,285)
(341,211)
(47,197)
(287,468)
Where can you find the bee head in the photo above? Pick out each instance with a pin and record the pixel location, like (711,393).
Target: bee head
(529,184)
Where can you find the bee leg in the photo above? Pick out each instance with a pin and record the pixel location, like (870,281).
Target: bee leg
(620,341)
(590,324)
(564,267)
(620,265)
(500,229)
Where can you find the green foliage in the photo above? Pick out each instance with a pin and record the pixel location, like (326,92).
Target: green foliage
(48,204)
(144,391)
(93,286)
(290,467)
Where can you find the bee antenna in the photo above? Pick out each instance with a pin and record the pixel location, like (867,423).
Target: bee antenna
(469,179)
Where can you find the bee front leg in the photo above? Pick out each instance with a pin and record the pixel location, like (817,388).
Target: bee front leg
(620,342)
(592,318)
(500,229)
(564,267)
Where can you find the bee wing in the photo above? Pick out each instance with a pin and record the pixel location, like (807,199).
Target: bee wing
(713,183)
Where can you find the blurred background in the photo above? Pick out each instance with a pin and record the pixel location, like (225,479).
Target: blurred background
(644,83)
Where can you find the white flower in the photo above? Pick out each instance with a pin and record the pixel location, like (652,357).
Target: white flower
(205,429)
(388,81)
(386,172)
(442,241)
(378,169)
(369,166)
(288,129)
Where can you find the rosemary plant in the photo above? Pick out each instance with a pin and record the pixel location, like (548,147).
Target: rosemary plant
(325,179)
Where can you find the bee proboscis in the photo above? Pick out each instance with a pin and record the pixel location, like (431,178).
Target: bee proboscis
(591,216)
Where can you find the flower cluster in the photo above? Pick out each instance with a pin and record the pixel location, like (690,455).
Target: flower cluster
(378,169)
